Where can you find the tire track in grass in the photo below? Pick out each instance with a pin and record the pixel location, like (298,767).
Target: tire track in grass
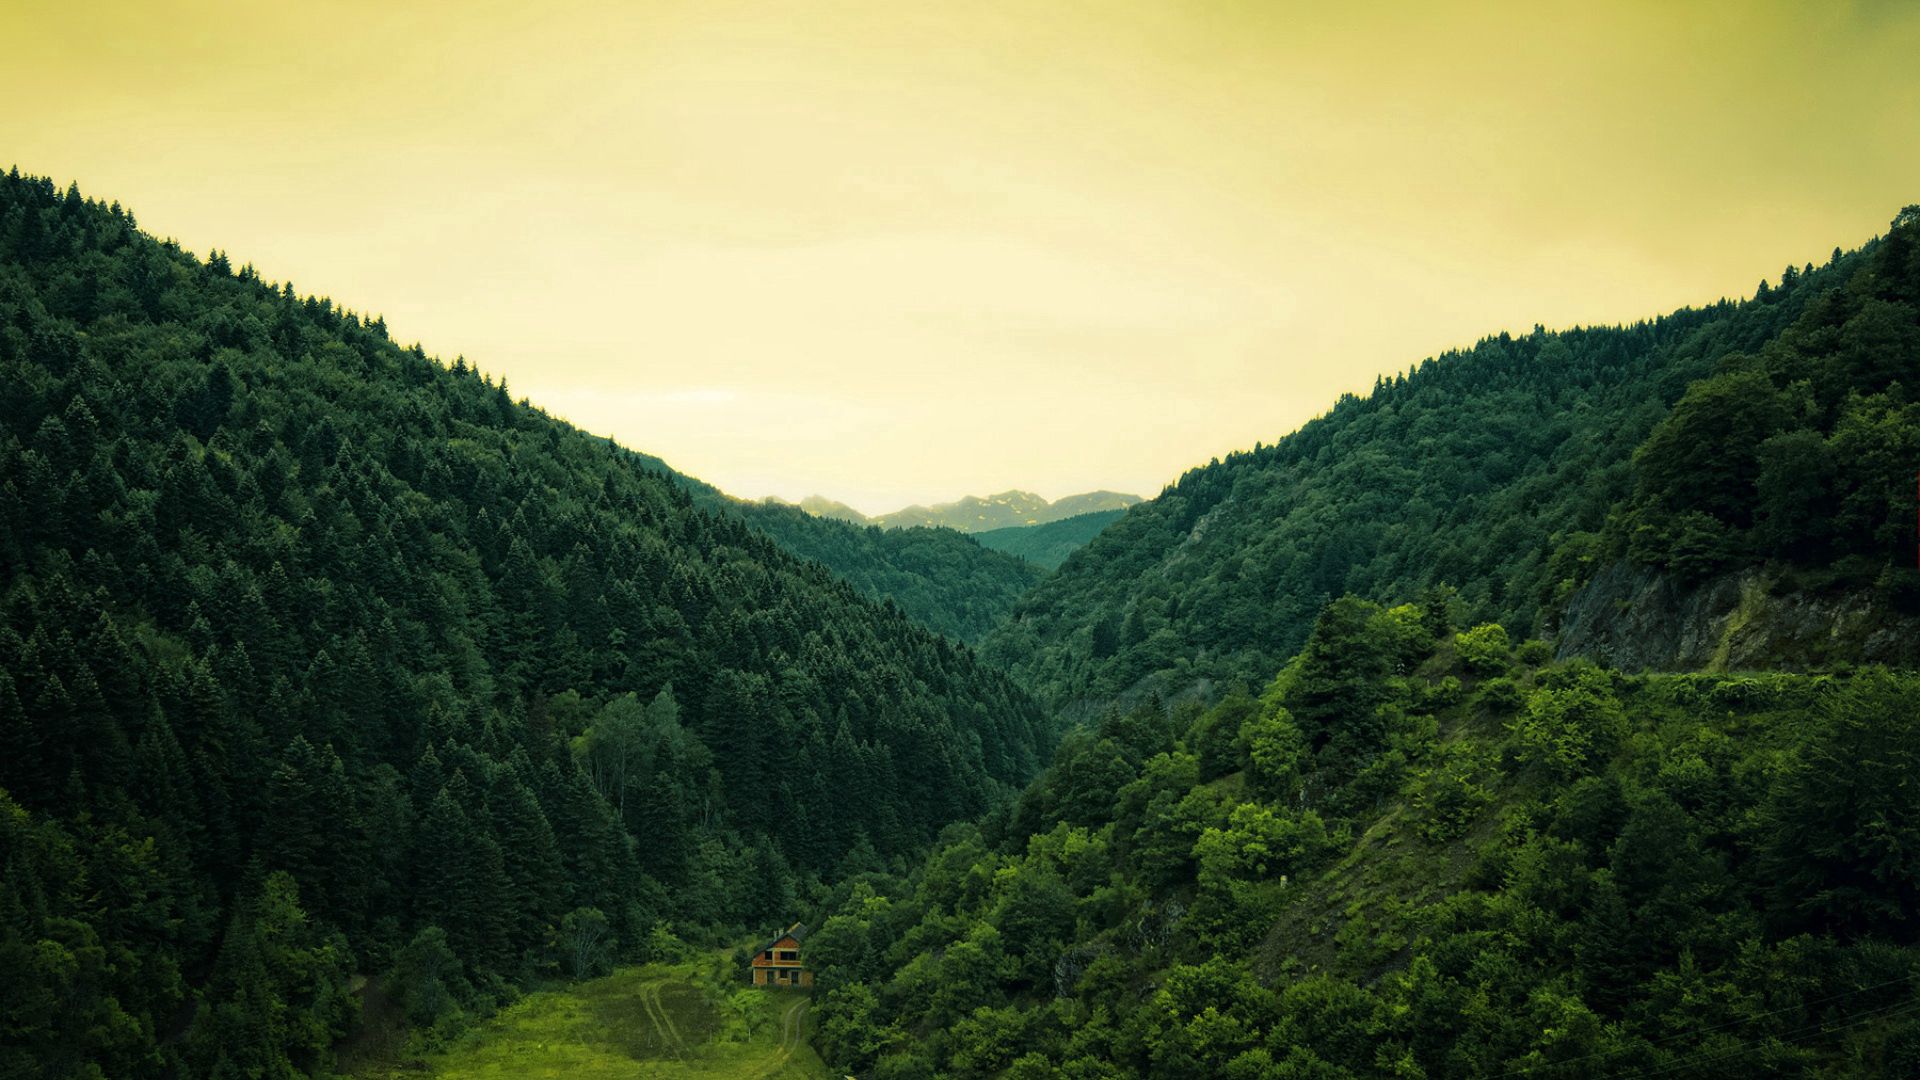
(669,1038)
(660,1006)
(790,1027)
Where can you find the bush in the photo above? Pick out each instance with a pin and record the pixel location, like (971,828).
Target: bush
(1570,724)
(1501,695)
(664,946)
(1483,650)
(1440,695)
(428,979)
(586,943)
(1534,653)
(1450,796)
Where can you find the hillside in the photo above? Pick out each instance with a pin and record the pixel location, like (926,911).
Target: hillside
(1775,429)
(979,513)
(938,577)
(321,657)
(685,1020)
(1049,545)
(1418,853)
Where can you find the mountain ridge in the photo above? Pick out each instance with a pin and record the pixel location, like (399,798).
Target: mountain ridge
(1012,508)
(940,578)
(1051,544)
(1699,441)
(320,659)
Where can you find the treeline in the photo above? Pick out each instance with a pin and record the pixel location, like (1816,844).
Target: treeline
(1802,451)
(1418,852)
(938,577)
(321,658)
(1048,544)
(1513,470)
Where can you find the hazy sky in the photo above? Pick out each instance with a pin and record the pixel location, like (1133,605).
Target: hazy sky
(895,252)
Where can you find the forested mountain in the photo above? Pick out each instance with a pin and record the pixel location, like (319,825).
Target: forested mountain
(1418,853)
(320,657)
(1049,545)
(821,506)
(979,513)
(1422,851)
(1510,473)
(938,577)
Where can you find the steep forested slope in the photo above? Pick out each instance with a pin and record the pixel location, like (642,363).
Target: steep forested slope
(938,577)
(1802,450)
(1496,472)
(1049,545)
(321,657)
(1418,853)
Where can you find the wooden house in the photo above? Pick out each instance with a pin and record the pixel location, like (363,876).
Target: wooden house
(778,963)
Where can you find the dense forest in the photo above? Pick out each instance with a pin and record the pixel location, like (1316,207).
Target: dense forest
(1049,544)
(1418,852)
(1425,848)
(322,658)
(1510,472)
(325,665)
(937,576)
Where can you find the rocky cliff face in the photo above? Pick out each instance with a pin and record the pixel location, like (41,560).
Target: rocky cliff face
(1635,618)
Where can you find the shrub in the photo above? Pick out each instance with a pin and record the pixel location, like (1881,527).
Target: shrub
(1533,652)
(1483,650)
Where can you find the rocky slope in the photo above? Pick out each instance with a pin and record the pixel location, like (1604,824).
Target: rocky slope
(1636,618)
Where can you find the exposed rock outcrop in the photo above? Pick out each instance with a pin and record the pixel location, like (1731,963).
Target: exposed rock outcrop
(1636,618)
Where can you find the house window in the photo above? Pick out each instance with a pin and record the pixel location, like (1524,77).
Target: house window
(769,954)
(789,954)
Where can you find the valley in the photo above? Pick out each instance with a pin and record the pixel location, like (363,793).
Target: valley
(1547,711)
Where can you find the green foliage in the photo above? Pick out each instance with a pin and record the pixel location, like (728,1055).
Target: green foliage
(1451,794)
(1802,449)
(1483,650)
(1254,843)
(1047,545)
(587,946)
(1277,756)
(955,584)
(1494,482)
(688,1021)
(665,947)
(318,655)
(1837,825)
(1571,721)
(1633,874)
(428,981)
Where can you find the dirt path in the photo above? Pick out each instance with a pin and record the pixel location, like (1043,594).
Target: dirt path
(791,1025)
(657,1012)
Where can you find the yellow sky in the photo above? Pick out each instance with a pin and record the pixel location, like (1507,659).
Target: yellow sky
(893,251)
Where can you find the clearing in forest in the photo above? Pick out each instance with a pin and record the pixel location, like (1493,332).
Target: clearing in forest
(660,1020)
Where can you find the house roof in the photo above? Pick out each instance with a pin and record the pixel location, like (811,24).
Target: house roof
(798,932)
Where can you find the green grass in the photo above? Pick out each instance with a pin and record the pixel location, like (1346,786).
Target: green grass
(669,1021)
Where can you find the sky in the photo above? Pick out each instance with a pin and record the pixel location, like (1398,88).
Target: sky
(895,252)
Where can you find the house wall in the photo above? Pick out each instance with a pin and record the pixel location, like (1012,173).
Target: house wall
(765,970)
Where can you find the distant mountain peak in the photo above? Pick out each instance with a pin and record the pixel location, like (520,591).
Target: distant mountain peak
(978,513)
